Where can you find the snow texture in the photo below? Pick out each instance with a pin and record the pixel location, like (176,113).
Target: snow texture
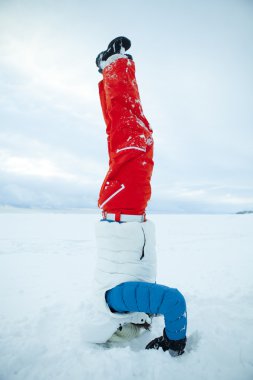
(111,59)
(46,267)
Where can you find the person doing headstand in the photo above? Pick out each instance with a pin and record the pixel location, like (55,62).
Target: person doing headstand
(125,288)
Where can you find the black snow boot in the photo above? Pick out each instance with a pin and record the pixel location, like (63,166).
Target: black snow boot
(117,46)
(175,347)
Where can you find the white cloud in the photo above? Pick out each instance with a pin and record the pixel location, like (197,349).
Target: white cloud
(32,167)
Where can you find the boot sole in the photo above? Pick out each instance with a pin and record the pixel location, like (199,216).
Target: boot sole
(125,42)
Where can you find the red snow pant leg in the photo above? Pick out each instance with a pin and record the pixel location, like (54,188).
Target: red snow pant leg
(126,188)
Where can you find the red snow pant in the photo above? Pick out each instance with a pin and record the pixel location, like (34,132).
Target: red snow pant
(126,188)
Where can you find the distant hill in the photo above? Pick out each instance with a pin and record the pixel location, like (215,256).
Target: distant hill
(245,212)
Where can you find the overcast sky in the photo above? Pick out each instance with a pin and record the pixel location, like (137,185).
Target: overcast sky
(194,63)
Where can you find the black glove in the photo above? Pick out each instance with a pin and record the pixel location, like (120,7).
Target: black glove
(175,347)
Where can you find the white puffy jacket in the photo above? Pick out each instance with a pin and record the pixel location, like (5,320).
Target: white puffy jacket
(125,252)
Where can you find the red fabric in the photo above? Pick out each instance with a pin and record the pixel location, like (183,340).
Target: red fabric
(126,188)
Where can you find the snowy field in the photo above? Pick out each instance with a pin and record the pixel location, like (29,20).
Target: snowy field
(46,266)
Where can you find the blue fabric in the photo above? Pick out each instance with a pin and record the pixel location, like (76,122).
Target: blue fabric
(110,221)
(151,298)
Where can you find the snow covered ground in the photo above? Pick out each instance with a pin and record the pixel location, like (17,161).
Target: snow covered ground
(46,265)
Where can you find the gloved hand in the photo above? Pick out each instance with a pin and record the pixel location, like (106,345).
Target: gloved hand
(175,347)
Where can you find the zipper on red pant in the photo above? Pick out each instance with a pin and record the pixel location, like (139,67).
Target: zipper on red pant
(122,187)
